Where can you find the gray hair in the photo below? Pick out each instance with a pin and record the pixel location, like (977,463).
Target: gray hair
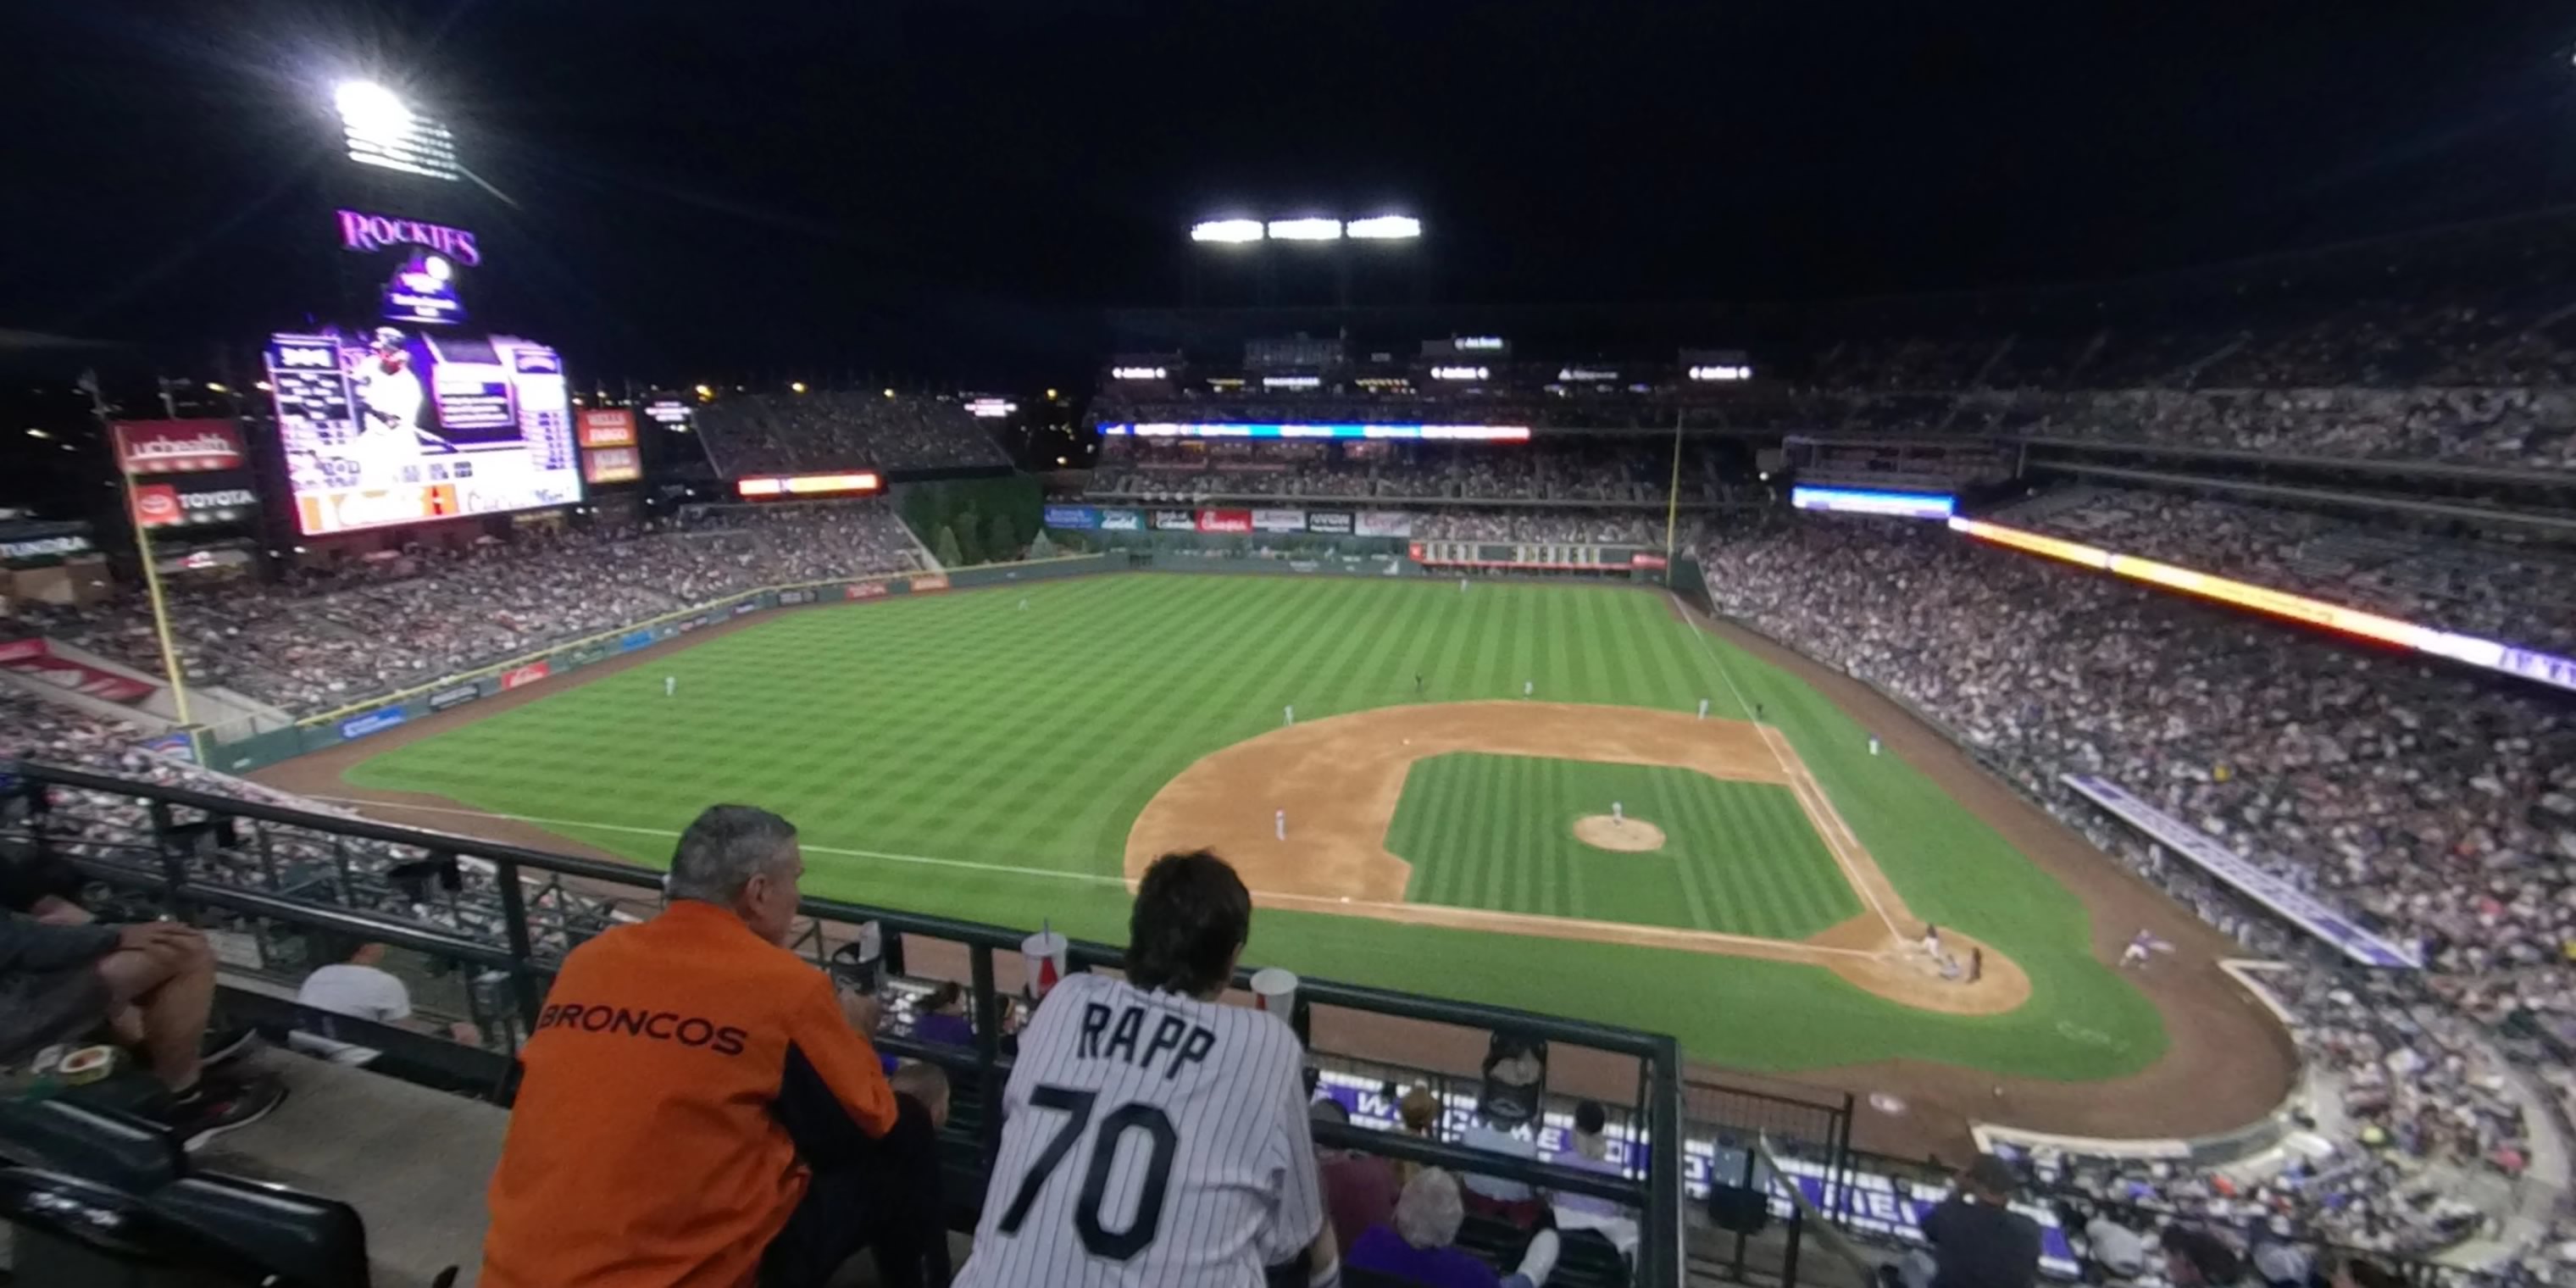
(725,848)
(1430,1210)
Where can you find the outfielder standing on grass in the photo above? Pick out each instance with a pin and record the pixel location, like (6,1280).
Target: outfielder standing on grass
(1154,1137)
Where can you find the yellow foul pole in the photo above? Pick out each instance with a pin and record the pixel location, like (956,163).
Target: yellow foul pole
(1673,498)
(160,610)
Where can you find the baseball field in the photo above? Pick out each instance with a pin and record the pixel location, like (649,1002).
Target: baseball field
(1506,793)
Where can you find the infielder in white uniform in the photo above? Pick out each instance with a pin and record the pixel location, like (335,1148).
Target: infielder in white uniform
(1154,1137)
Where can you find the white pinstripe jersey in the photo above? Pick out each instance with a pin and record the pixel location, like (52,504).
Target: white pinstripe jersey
(1152,1141)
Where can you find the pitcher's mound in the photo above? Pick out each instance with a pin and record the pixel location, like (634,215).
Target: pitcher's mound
(1630,836)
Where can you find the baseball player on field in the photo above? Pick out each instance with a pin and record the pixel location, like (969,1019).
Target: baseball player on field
(1152,1136)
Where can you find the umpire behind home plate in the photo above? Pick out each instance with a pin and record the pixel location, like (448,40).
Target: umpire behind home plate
(700,1107)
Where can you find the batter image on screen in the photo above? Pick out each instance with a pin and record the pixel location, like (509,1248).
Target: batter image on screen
(397,426)
(386,451)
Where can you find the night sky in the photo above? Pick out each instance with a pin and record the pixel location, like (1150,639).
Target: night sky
(953,189)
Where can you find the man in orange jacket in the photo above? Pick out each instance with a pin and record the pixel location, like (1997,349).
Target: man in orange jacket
(695,1095)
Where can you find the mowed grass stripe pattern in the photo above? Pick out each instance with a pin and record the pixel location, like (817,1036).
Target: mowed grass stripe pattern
(963,727)
(1487,831)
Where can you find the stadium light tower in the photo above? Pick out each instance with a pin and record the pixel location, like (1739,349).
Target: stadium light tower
(382,130)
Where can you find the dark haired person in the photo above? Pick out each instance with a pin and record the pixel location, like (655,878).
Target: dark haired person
(1977,1240)
(2196,1258)
(1152,1135)
(700,1105)
(943,1017)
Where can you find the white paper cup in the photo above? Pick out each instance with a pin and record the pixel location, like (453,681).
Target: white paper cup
(1044,955)
(1275,990)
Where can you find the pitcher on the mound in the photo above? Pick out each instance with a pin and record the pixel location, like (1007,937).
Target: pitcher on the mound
(1152,1136)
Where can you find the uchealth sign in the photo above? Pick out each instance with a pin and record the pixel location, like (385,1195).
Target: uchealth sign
(522,676)
(178,446)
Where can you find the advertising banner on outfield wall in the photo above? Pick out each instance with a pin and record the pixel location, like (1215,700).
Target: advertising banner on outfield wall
(1122,521)
(865,590)
(1334,522)
(1225,520)
(1072,516)
(635,640)
(744,607)
(786,597)
(455,697)
(522,676)
(582,656)
(1384,523)
(1279,520)
(923,585)
(373,721)
(1176,520)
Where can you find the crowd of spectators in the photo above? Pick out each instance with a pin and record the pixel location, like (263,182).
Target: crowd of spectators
(2437,807)
(797,433)
(327,639)
(1598,527)
(1567,469)
(2457,347)
(2522,593)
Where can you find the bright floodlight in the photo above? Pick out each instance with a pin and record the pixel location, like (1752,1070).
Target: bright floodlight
(369,108)
(1385,228)
(381,130)
(1305,230)
(1226,230)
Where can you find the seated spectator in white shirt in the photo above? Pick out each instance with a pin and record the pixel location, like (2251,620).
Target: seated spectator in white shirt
(1512,1201)
(361,988)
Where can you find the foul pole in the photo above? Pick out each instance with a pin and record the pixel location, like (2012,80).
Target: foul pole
(151,570)
(1673,498)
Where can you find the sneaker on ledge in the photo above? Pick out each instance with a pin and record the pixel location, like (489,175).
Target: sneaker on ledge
(217,1105)
(221,1046)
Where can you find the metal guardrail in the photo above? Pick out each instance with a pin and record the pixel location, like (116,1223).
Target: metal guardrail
(1658,1198)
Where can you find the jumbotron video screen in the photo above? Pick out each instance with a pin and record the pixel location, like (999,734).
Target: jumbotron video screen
(388,425)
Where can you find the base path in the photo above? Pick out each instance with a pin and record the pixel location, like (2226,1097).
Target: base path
(1337,781)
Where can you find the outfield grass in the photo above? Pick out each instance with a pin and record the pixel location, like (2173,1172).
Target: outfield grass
(1484,831)
(958,754)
